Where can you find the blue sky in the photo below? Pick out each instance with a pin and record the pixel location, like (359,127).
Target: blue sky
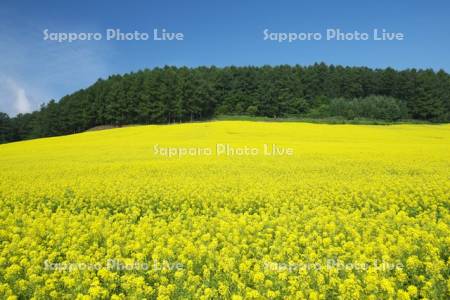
(221,33)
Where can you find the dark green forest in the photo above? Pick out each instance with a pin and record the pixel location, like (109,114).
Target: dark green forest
(180,94)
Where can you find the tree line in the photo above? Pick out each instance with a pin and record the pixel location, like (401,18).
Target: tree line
(182,94)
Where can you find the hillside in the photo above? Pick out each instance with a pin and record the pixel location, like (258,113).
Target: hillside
(173,95)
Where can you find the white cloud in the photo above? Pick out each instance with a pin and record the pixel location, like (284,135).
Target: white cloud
(15,96)
(21,102)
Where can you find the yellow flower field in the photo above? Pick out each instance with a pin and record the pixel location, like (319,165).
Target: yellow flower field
(355,212)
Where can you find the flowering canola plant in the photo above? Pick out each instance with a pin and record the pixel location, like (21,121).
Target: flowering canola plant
(355,212)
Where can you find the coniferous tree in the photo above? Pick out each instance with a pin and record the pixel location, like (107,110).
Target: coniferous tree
(171,94)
